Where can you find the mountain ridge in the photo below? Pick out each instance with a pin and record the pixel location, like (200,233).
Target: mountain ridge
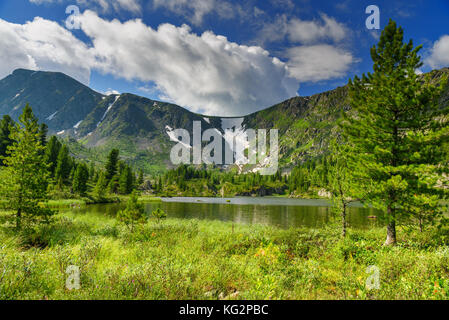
(140,127)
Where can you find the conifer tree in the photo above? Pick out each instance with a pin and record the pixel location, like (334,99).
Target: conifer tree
(100,187)
(80,178)
(397,129)
(51,154)
(112,164)
(63,166)
(126,181)
(25,178)
(5,130)
(140,180)
(134,213)
(43,130)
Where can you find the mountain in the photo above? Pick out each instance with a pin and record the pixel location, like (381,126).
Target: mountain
(94,123)
(56,98)
(306,124)
(141,128)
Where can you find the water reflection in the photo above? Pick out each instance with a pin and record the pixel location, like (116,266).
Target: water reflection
(280,212)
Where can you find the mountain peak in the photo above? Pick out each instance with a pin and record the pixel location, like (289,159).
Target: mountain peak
(55,97)
(23,71)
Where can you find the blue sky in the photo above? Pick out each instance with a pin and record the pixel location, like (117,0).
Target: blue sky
(216,57)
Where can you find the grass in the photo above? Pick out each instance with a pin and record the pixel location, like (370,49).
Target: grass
(66,203)
(191,259)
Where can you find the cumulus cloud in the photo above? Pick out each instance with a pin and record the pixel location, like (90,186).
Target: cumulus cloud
(206,72)
(303,31)
(313,31)
(318,62)
(45,45)
(439,54)
(315,54)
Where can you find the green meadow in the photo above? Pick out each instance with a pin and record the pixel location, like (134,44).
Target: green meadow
(192,259)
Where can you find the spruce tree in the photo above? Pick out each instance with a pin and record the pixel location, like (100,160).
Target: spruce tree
(397,129)
(140,180)
(5,130)
(43,130)
(112,164)
(51,154)
(134,213)
(25,178)
(80,178)
(126,181)
(63,166)
(100,187)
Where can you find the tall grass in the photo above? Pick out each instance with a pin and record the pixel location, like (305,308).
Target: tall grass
(191,259)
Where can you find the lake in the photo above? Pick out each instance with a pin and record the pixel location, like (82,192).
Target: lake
(280,212)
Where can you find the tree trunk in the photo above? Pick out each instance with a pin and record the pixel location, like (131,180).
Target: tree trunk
(391,228)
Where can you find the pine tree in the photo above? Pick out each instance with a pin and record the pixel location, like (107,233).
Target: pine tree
(397,129)
(51,154)
(100,187)
(80,178)
(140,180)
(126,181)
(5,130)
(134,213)
(43,130)
(92,172)
(63,167)
(113,184)
(112,164)
(25,178)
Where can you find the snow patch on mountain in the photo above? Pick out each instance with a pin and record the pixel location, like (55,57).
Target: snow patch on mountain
(108,109)
(52,116)
(76,126)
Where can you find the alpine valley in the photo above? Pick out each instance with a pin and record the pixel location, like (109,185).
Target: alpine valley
(92,123)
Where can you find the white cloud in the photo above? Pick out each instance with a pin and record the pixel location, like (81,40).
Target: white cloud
(316,54)
(312,31)
(206,72)
(304,31)
(45,45)
(111,91)
(439,54)
(318,62)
